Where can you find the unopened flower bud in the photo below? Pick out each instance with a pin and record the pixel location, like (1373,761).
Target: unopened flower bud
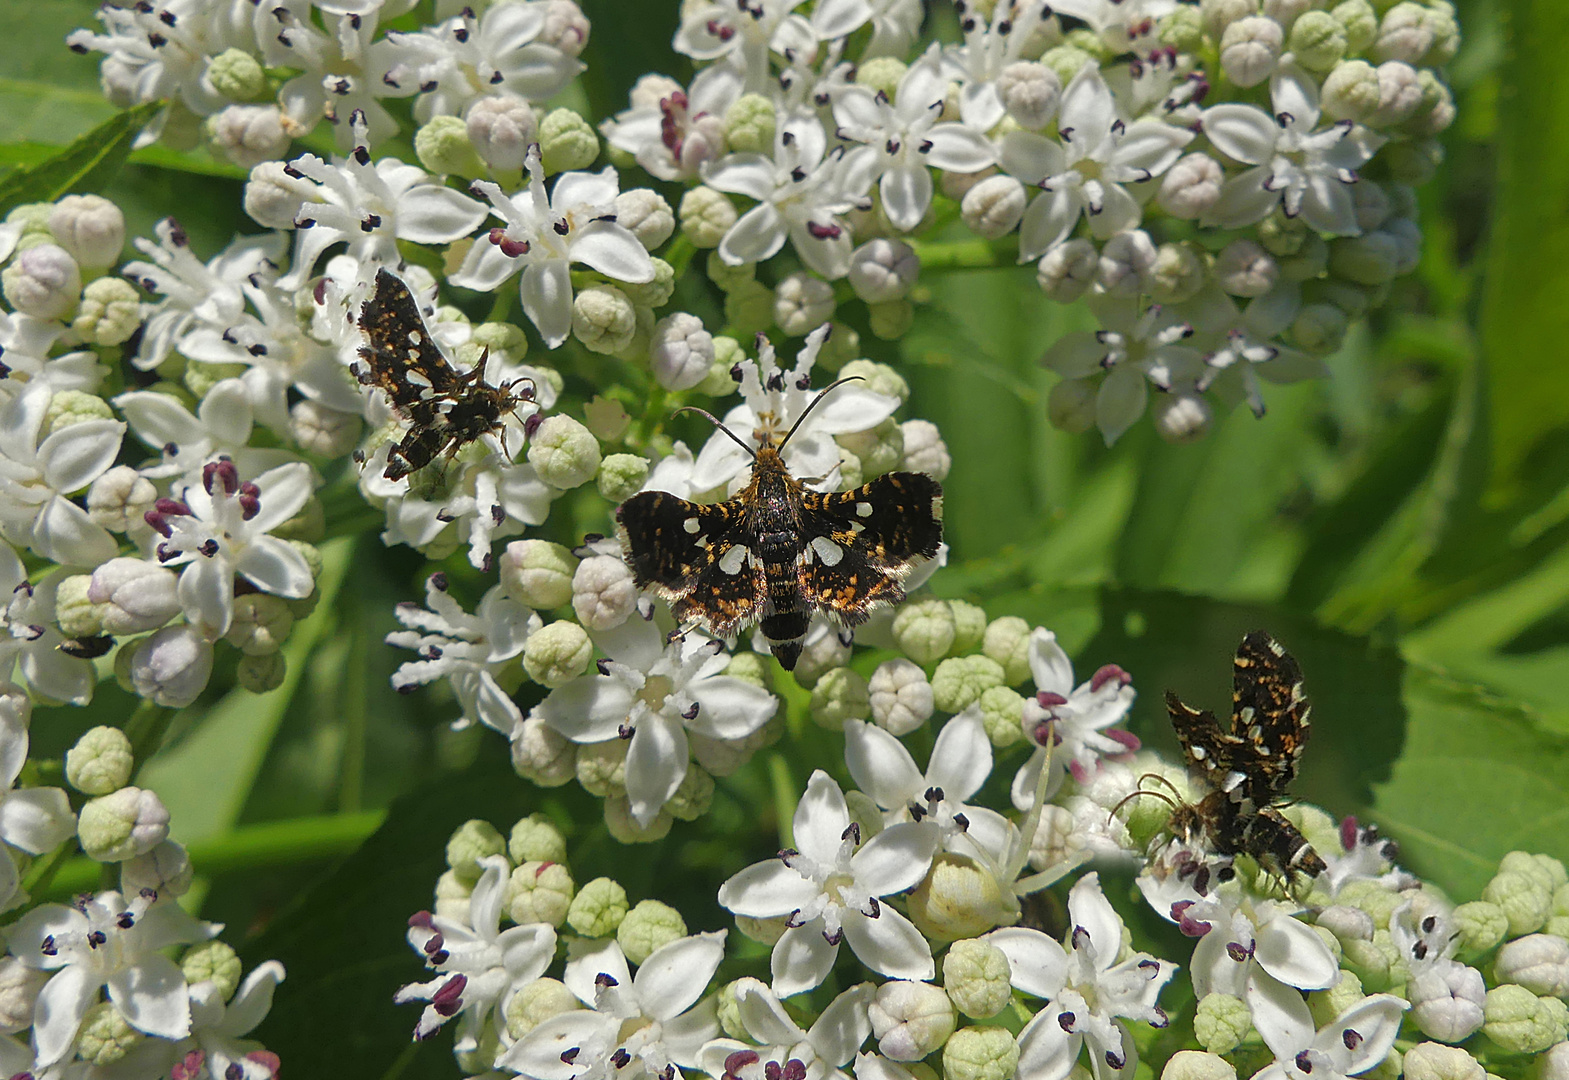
(1523,1023)
(1346,923)
(1366,260)
(960,681)
(170,668)
(910,1019)
(1182,417)
(19,987)
(1250,48)
(681,351)
(1067,59)
(603,594)
(1351,91)
(536,838)
(645,213)
(1538,962)
(262,673)
(248,135)
(1552,1063)
(539,892)
(1197,1065)
(839,695)
(123,824)
(993,207)
(1430,1061)
(1221,1023)
(880,378)
(537,1002)
(542,755)
(648,927)
(621,476)
(705,216)
(237,75)
(470,842)
(261,624)
(101,762)
(901,697)
(924,629)
(1447,1001)
(1414,161)
(980,1053)
(881,74)
(1191,186)
(957,899)
(1404,34)
(110,312)
(1285,12)
(557,653)
(1219,14)
(892,319)
(802,303)
(883,269)
(105,1036)
(598,908)
(1070,406)
(452,897)
(273,198)
(136,596)
(165,870)
(1030,92)
(42,281)
(749,308)
(323,431)
(603,319)
(975,973)
(213,962)
(566,142)
(1243,268)
(1318,40)
(1178,274)
(563,452)
(1360,22)
(1127,264)
(500,129)
(90,228)
(1007,641)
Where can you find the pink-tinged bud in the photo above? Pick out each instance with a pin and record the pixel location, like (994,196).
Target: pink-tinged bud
(1107,674)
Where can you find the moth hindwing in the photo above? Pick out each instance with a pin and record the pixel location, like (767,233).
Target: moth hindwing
(445,409)
(776,552)
(1243,768)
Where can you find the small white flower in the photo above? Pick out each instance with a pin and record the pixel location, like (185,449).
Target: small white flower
(990,45)
(543,238)
(221,427)
(1447,996)
(1303,169)
(1125,25)
(654,694)
(676,135)
(30,639)
(895,23)
(1088,991)
(342,73)
(829,891)
(469,649)
(1241,345)
(478,965)
(907,139)
(745,31)
(1351,1044)
(781,1047)
(218,1028)
(37,478)
(24,354)
(32,819)
(1076,721)
(220,528)
(1083,170)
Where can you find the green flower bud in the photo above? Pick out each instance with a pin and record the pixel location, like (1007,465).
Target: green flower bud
(728,277)
(749,308)
(1481,926)
(1351,92)
(649,926)
(1523,1023)
(655,293)
(1178,273)
(601,768)
(537,1002)
(1434,1061)
(880,378)
(1376,962)
(891,319)
(1182,29)
(619,822)
(538,573)
(1370,259)
(802,303)
(1066,60)
(1414,161)
(470,842)
(75,611)
(621,476)
(1320,329)
(1197,1065)
(1546,869)
(263,673)
(557,653)
(1441,23)
(536,839)
(750,124)
(925,629)
(878,449)
(975,973)
(452,897)
(122,825)
(840,695)
(705,216)
(563,452)
(538,892)
(261,624)
(214,962)
(1007,641)
(100,762)
(105,1037)
(110,312)
(1221,1023)
(730,1023)
(69,407)
(980,1053)
(849,470)
(843,345)
(957,899)
(542,755)
(566,142)
(200,377)
(443,147)
(693,796)
(1523,896)
(881,73)
(1325,1005)
(238,76)
(1216,15)
(503,342)
(598,908)
(1090,42)
(1360,22)
(1001,711)
(603,319)
(1318,40)
(960,681)
(969,625)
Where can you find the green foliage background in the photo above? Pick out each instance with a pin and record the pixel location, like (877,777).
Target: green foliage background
(1403,528)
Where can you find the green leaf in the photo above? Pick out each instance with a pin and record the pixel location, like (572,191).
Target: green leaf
(85,165)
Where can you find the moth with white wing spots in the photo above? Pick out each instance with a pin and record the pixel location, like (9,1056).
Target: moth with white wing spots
(777,551)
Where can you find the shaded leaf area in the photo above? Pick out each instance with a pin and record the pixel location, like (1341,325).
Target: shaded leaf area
(86,165)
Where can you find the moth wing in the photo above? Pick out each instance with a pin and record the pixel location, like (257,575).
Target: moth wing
(695,557)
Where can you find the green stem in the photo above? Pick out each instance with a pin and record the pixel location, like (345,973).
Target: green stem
(146,728)
(967,254)
(249,847)
(679,254)
(654,414)
(785,797)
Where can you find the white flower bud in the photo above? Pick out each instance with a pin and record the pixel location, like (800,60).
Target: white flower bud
(901,696)
(538,573)
(883,269)
(993,207)
(1553,1063)
(1400,94)
(910,1019)
(101,762)
(1219,14)
(1243,268)
(681,352)
(1181,417)
(1347,923)
(924,450)
(802,303)
(166,870)
(110,312)
(1191,186)
(43,281)
(957,899)
(171,668)
(565,27)
(273,198)
(645,213)
(603,319)
(1430,1061)
(136,595)
(90,228)
(324,431)
(1070,406)
(542,755)
(650,90)
(1067,271)
(1030,92)
(820,652)
(1404,34)
(248,135)
(1352,91)
(563,452)
(1250,48)
(1127,262)
(1178,274)
(501,128)
(1538,962)
(1197,1065)
(118,499)
(123,824)
(1447,1001)
(1284,12)
(603,594)
(19,987)
(556,654)
(705,216)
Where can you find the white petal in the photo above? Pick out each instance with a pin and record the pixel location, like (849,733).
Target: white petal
(57,676)
(1376,1019)
(206,592)
(1241,132)
(225,411)
(829,255)
(1049,665)
(801,959)
(589,958)
(253,1000)
(485,900)
(849,409)
(1119,213)
(751,175)
(674,976)
(574,189)
(36,819)
(152,996)
(1328,206)
(65,534)
(1047,222)
(1293,953)
(656,765)
(907,193)
(1037,964)
(895,859)
(962,757)
(429,214)
(979,105)
(284,491)
(1046,1051)
(74,456)
(160,419)
(767,890)
(959,149)
(763,1016)
(61,1005)
(1119,402)
(858,107)
(730,708)
(590,708)
(880,765)
(1030,158)
(1243,200)
(1088,109)
(839,18)
(276,566)
(1281,1017)
(613,251)
(485,267)
(1088,909)
(546,291)
(539,71)
(839,1032)
(821,818)
(1148,149)
(1294,92)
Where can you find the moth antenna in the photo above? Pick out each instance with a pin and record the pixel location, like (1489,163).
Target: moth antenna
(1161,795)
(1158,778)
(712,419)
(814,403)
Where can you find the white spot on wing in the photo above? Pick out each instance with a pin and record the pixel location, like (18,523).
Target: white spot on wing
(937,508)
(827,550)
(733,559)
(863,509)
(691,525)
